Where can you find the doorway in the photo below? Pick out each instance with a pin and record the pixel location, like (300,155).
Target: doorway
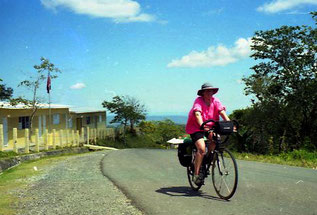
(79,124)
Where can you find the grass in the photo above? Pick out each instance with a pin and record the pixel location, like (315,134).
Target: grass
(131,142)
(300,158)
(7,154)
(19,177)
(11,154)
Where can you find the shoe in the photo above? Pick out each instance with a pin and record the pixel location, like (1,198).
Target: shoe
(202,176)
(197,180)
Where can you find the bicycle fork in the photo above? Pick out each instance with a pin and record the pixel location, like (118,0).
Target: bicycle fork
(220,160)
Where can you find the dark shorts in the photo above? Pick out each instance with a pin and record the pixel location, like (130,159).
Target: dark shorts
(198,135)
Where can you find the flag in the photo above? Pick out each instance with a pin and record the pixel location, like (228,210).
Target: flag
(48,84)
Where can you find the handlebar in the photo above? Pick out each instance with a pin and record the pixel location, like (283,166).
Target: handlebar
(204,123)
(235,123)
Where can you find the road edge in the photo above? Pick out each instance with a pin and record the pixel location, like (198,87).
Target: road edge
(128,196)
(9,163)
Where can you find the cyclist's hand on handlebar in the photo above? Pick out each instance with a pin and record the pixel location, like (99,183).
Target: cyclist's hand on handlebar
(235,129)
(206,128)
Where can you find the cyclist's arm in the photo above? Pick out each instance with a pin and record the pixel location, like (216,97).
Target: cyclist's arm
(224,115)
(199,118)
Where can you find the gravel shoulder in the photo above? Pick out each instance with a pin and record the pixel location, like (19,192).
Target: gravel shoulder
(74,186)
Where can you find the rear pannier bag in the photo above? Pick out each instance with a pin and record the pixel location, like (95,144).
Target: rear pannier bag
(224,127)
(185,153)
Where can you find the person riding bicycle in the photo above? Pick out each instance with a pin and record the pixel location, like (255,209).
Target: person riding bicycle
(205,107)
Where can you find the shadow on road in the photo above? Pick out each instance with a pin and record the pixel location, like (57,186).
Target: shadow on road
(186,192)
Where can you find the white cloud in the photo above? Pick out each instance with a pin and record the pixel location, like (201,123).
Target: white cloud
(282,5)
(78,86)
(215,56)
(121,11)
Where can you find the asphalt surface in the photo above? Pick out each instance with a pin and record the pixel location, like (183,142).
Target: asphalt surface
(157,184)
(153,182)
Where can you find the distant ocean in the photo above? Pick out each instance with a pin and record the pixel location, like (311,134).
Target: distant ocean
(178,119)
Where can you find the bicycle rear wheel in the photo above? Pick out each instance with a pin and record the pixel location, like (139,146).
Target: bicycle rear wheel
(190,174)
(225,174)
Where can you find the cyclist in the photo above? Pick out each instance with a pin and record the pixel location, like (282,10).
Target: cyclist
(205,107)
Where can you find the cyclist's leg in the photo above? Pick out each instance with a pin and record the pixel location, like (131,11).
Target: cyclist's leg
(212,144)
(200,145)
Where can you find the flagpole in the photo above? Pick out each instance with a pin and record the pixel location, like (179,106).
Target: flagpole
(49,111)
(48,87)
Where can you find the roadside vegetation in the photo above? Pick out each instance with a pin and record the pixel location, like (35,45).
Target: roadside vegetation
(283,114)
(150,134)
(300,158)
(7,154)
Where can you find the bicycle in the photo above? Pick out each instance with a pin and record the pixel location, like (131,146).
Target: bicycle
(224,169)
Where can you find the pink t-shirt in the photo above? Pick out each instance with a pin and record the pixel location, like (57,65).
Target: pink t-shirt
(207,112)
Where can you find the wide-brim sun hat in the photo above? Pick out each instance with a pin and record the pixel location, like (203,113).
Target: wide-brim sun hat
(207,86)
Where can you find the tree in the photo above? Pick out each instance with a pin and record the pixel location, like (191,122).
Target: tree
(167,130)
(137,111)
(285,83)
(160,132)
(5,92)
(127,110)
(33,84)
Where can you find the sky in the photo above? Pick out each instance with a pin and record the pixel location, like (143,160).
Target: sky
(159,52)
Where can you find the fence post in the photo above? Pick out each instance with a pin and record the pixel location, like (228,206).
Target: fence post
(95,136)
(15,140)
(61,138)
(54,139)
(1,138)
(37,144)
(27,141)
(46,140)
(87,135)
(67,138)
(73,139)
(82,135)
(77,138)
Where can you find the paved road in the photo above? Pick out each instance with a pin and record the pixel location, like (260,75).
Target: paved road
(157,184)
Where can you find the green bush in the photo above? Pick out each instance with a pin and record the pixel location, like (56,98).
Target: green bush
(300,158)
(131,141)
(160,132)
(299,155)
(7,154)
(153,134)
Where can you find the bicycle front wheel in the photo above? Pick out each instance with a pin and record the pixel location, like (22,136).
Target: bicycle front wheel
(225,174)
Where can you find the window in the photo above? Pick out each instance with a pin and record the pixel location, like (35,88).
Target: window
(24,122)
(70,123)
(100,118)
(56,119)
(87,120)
